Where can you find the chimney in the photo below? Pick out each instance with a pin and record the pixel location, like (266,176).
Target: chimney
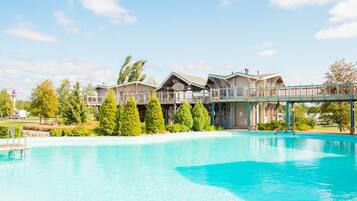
(246,71)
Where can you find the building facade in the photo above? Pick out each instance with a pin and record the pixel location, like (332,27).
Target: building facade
(223,95)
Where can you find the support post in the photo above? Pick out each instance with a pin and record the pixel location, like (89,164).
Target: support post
(352,118)
(293,116)
(212,113)
(166,116)
(220,114)
(175,109)
(249,109)
(287,115)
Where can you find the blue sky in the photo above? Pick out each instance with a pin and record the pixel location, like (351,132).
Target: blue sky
(87,40)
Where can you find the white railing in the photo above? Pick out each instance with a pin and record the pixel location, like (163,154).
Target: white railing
(293,93)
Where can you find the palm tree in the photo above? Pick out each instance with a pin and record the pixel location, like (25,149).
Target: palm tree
(131,72)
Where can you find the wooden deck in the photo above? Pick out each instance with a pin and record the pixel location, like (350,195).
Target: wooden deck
(13,147)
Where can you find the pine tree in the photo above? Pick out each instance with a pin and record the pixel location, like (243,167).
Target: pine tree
(118,119)
(154,119)
(130,124)
(74,109)
(200,117)
(107,115)
(183,115)
(64,92)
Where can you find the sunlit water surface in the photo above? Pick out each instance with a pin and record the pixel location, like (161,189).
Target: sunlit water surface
(247,166)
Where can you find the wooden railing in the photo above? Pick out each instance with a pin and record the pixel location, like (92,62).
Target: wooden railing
(331,92)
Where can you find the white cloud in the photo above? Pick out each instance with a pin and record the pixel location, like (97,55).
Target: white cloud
(30,72)
(292,4)
(267,53)
(110,8)
(344,22)
(67,23)
(345,10)
(226,3)
(345,30)
(23,30)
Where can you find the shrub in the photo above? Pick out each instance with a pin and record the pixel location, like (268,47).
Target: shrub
(177,128)
(271,125)
(154,119)
(57,132)
(220,129)
(302,127)
(4,131)
(210,128)
(143,128)
(107,114)
(183,115)
(310,121)
(72,131)
(130,125)
(118,119)
(201,119)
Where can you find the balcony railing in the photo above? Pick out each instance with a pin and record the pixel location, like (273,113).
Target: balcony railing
(331,92)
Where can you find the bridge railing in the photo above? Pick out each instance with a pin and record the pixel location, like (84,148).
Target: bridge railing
(303,92)
(331,91)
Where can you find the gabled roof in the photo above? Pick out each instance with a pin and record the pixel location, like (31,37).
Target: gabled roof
(256,77)
(189,79)
(125,84)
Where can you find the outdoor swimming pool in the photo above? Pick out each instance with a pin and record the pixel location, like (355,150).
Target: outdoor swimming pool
(252,166)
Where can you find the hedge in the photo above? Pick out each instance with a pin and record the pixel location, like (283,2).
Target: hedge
(177,128)
(4,131)
(74,131)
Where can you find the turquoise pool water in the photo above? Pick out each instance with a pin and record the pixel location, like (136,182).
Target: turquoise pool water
(246,166)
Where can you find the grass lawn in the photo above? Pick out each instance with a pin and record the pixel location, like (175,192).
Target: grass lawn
(17,122)
(328,129)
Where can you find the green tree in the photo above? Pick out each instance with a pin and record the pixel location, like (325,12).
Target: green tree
(107,115)
(131,72)
(130,124)
(136,72)
(183,115)
(154,119)
(201,119)
(198,117)
(64,92)
(339,73)
(118,119)
(88,91)
(74,109)
(44,101)
(23,104)
(6,104)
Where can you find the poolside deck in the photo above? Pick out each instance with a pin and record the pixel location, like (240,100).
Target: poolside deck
(13,147)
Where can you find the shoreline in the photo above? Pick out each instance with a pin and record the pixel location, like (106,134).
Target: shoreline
(120,140)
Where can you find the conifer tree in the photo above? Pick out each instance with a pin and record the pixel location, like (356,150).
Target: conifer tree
(64,92)
(118,119)
(130,124)
(74,109)
(183,115)
(154,119)
(107,115)
(201,119)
